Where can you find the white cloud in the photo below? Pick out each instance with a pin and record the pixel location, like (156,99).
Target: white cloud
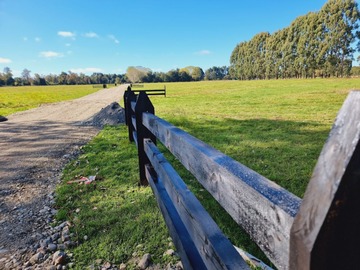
(113,38)
(203,52)
(86,70)
(66,34)
(5,60)
(37,39)
(25,39)
(50,54)
(67,44)
(91,35)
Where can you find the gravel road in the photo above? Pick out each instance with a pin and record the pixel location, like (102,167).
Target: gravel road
(34,147)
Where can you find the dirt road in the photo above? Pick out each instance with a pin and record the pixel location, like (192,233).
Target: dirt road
(34,147)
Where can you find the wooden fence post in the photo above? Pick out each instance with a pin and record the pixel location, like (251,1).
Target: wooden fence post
(143,104)
(325,233)
(129,97)
(125,97)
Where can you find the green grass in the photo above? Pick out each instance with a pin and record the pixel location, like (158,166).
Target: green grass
(15,99)
(274,127)
(118,217)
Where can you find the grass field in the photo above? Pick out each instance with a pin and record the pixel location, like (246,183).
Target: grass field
(274,127)
(15,99)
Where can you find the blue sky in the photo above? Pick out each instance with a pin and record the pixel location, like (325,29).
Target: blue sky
(50,36)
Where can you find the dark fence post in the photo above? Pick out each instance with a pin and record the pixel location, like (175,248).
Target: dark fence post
(325,233)
(143,104)
(129,96)
(125,97)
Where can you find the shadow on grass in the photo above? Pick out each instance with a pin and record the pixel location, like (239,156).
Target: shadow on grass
(120,218)
(283,151)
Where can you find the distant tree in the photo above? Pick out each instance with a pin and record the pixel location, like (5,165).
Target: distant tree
(72,78)
(2,80)
(184,76)
(217,73)
(173,75)
(118,80)
(39,80)
(18,81)
(104,79)
(53,79)
(136,74)
(63,78)
(8,76)
(355,71)
(26,77)
(96,78)
(196,73)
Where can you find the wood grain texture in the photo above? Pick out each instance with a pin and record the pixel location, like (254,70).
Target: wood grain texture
(189,255)
(325,231)
(264,209)
(215,249)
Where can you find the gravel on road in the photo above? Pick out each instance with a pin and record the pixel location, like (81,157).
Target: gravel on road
(35,145)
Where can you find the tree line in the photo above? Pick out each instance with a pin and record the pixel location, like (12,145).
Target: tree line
(318,44)
(70,78)
(186,74)
(133,74)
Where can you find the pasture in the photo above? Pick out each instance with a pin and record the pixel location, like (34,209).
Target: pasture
(15,99)
(276,128)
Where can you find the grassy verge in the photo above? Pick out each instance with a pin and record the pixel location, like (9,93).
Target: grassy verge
(274,127)
(117,217)
(15,99)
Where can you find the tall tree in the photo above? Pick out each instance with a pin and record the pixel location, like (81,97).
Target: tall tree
(317,44)
(136,74)
(340,22)
(196,73)
(26,77)
(8,76)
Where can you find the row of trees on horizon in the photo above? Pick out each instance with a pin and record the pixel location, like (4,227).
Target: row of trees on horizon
(71,78)
(319,44)
(133,75)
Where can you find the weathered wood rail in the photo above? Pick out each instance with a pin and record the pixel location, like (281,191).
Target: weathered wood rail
(151,92)
(318,232)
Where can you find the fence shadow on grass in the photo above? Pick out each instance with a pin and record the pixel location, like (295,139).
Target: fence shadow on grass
(283,151)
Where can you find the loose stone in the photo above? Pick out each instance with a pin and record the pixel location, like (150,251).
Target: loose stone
(52,247)
(145,261)
(36,258)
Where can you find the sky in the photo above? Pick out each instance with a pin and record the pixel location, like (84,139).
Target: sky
(86,36)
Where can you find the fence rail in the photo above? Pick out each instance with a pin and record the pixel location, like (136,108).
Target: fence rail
(151,92)
(291,232)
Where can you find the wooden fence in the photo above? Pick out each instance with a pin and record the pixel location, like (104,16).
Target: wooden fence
(151,92)
(318,232)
